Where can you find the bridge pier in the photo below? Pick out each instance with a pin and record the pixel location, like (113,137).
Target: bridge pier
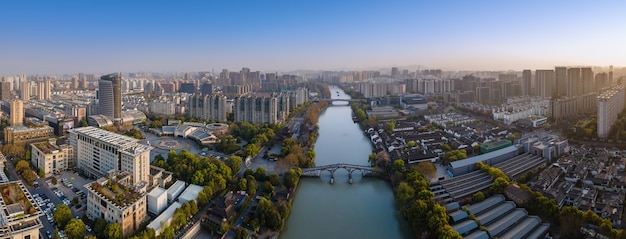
(350,177)
(332,176)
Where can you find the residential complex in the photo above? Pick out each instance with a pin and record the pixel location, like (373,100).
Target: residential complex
(260,109)
(208,107)
(98,151)
(610,104)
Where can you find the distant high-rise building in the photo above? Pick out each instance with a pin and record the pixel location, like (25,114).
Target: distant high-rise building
(601,81)
(526,83)
(5,91)
(83,84)
(611,75)
(40,90)
(561,81)
(208,107)
(586,75)
(507,77)
(110,96)
(610,104)
(17,113)
(395,72)
(43,90)
(545,83)
(206,89)
(575,82)
(270,77)
(47,89)
(25,91)
(74,83)
(187,88)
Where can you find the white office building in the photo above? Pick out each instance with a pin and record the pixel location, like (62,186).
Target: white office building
(98,151)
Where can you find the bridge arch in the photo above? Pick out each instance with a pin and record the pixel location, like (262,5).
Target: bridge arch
(317,171)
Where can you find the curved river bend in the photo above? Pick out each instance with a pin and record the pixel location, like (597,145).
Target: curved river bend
(365,209)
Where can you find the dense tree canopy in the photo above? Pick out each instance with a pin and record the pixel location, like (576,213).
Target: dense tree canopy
(62,215)
(454,155)
(291,177)
(113,231)
(75,229)
(234,163)
(197,170)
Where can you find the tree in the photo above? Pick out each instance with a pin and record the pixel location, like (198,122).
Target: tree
(29,176)
(248,171)
(113,231)
(398,165)
(62,215)
(411,144)
(372,158)
(274,179)
(241,233)
(168,232)
(83,123)
(404,193)
(22,165)
(446,147)
(242,184)
(203,200)
(427,169)
(54,180)
(234,163)
(75,229)
(454,155)
(99,226)
(56,235)
(260,173)
(498,185)
(156,124)
(291,178)
(389,126)
(478,197)
(267,187)
(252,185)
(252,150)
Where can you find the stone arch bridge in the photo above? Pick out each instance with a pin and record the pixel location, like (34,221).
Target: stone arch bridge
(317,171)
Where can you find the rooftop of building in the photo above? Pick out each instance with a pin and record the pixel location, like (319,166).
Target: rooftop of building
(483,157)
(113,190)
(106,136)
(27,129)
(164,216)
(17,204)
(46,147)
(497,143)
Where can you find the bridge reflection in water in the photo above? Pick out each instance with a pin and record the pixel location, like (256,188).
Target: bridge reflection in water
(317,171)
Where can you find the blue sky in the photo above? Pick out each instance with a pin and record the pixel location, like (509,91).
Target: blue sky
(160,36)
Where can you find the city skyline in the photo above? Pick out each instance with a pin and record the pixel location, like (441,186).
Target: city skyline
(287,36)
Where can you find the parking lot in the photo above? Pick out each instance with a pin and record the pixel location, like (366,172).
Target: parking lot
(48,195)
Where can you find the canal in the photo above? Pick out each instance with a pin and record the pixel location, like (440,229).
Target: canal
(364,209)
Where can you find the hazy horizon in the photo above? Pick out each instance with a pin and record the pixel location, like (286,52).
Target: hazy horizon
(161,36)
